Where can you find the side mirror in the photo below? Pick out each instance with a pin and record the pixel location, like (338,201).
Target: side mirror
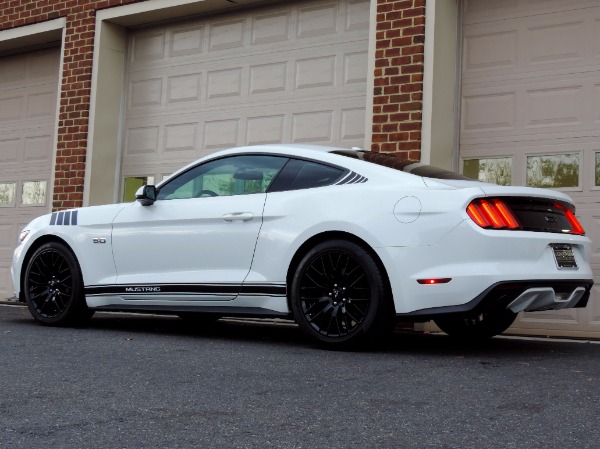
(146,195)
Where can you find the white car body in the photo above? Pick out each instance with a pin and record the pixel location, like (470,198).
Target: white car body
(233,253)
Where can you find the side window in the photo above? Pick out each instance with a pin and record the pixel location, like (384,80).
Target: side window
(235,175)
(299,174)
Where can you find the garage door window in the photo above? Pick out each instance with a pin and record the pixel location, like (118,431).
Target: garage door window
(553,171)
(495,170)
(597,169)
(8,192)
(33,193)
(132,183)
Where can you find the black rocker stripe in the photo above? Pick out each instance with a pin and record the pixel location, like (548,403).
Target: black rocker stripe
(187,289)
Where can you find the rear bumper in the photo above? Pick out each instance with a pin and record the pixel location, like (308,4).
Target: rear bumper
(517,296)
(482,264)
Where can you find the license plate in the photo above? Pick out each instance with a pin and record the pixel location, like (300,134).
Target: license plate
(564,256)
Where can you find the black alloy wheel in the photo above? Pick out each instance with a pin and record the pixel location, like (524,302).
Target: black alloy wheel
(340,296)
(53,286)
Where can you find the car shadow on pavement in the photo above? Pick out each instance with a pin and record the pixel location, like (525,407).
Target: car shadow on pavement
(283,332)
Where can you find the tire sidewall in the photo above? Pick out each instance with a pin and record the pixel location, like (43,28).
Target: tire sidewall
(373,320)
(76,307)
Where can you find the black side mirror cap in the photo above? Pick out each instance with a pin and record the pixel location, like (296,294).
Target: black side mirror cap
(146,195)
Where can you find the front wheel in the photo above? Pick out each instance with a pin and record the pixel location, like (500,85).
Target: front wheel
(53,286)
(482,326)
(340,296)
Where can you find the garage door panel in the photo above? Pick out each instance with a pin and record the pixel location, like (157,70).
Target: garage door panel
(549,318)
(236,35)
(329,71)
(531,107)
(593,308)
(550,42)
(28,102)
(478,11)
(157,139)
(20,68)
(293,72)
(265,129)
(26,107)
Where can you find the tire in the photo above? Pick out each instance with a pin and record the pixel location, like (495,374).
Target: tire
(53,286)
(483,326)
(340,296)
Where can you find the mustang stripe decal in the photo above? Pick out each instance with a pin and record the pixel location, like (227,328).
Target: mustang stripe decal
(64,218)
(352,178)
(187,289)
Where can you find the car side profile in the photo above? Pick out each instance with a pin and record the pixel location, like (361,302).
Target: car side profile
(344,241)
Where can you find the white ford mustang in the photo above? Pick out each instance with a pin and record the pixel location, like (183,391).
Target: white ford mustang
(345,242)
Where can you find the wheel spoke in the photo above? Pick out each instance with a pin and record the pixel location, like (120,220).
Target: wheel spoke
(350,315)
(308,276)
(318,302)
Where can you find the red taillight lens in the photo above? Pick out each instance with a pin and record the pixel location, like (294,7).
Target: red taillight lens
(576,227)
(493,213)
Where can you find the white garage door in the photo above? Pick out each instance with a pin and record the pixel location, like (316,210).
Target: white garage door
(28,87)
(531,116)
(294,72)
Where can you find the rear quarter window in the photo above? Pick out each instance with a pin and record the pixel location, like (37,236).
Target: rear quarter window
(299,174)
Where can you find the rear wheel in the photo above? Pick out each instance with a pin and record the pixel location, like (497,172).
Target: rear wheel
(340,296)
(482,326)
(53,286)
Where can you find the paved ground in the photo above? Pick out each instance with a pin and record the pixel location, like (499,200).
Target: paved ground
(150,382)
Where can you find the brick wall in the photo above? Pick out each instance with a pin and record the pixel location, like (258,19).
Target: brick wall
(397,96)
(398,90)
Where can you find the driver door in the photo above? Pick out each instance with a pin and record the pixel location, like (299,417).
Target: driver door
(197,240)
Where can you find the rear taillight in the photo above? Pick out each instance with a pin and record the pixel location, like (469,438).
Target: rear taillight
(576,227)
(524,214)
(492,213)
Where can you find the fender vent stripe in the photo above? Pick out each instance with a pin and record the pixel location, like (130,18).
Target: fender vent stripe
(64,218)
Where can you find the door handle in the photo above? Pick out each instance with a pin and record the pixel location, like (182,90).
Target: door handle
(238,216)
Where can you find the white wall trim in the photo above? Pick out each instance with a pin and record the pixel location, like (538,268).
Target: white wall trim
(370,75)
(57,119)
(427,113)
(139,8)
(28,30)
(438,129)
